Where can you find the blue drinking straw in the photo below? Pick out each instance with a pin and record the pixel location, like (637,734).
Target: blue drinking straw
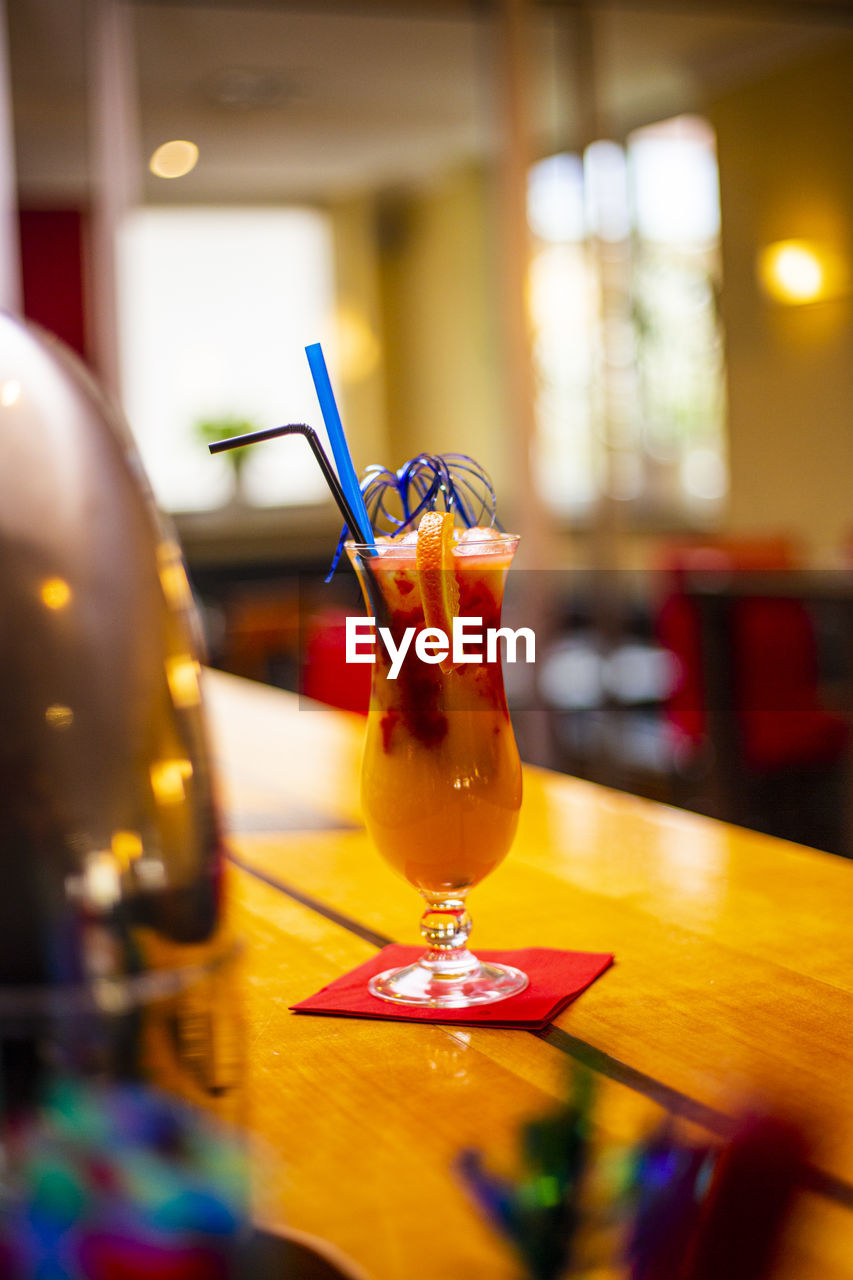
(338,441)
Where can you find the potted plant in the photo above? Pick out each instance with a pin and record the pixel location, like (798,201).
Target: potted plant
(209,430)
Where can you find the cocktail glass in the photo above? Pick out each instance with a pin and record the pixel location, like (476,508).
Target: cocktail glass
(441,776)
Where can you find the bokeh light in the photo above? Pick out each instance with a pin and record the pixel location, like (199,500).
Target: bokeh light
(174,159)
(792,272)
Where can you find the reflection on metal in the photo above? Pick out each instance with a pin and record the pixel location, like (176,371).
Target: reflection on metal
(173,575)
(58,716)
(182,673)
(126,847)
(168,778)
(9,392)
(101,881)
(110,845)
(55,593)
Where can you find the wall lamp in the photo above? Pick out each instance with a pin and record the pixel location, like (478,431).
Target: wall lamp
(795,272)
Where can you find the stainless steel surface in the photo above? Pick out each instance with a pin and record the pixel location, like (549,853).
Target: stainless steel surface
(110,848)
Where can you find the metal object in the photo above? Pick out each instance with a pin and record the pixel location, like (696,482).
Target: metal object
(110,844)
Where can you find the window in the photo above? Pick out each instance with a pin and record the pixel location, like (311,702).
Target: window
(215,308)
(564,305)
(627,340)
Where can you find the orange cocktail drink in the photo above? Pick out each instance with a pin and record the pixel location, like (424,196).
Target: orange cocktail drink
(441,776)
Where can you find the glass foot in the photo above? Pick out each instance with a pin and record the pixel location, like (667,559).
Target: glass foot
(446,988)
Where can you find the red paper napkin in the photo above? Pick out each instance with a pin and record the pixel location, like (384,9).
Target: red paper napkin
(556,977)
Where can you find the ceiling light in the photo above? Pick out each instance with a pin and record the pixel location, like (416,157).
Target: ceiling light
(174,159)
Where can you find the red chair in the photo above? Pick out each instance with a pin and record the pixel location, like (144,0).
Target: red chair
(770,708)
(326,675)
(774,659)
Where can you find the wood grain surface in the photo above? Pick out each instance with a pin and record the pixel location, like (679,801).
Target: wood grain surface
(733,986)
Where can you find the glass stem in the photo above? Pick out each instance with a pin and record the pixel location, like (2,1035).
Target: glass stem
(445,926)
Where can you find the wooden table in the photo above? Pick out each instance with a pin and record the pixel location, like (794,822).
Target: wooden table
(733,981)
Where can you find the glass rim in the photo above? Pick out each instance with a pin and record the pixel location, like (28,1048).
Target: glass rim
(500,537)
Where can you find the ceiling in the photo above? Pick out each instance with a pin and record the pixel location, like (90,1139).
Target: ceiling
(309,102)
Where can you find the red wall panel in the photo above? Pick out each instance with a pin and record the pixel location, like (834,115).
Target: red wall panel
(52,270)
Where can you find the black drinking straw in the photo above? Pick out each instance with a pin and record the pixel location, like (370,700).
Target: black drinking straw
(299,429)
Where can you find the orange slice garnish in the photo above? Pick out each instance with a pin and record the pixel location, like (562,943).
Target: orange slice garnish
(437,576)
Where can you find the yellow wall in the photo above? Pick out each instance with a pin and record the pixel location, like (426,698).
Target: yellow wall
(439,287)
(418,270)
(786,171)
(423,265)
(359,330)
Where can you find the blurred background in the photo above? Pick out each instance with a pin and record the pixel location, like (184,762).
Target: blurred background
(603,248)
